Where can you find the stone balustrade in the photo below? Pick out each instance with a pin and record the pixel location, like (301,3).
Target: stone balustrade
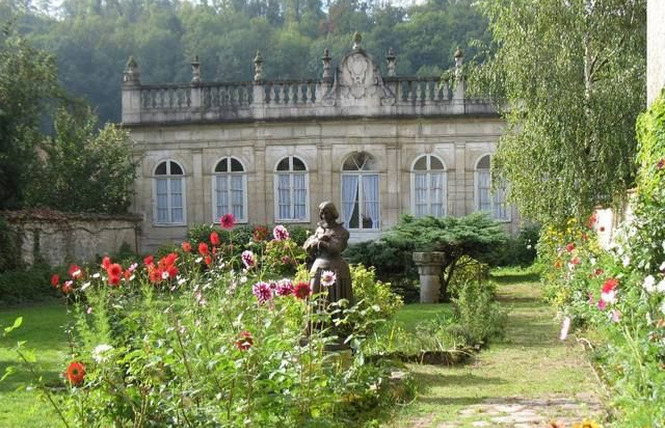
(290,100)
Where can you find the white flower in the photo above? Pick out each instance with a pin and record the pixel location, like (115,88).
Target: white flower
(660,287)
(609,297)
(649,284)
(100,353)
(565,326)
(662,267)
(625,261)
(328,278)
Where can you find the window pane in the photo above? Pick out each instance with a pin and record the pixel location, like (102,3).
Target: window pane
(436,163)
(176,200)
(298,165)
(436,194)
(484,162)
(175,169)
(284,196)
(161,169)
(421,164)
(237,196)
(299,196)
(283,165)
(236,166)
(162,200)
(370,206)
(222,196)
(350,201)
(420,195)
(484,203)
(222,166)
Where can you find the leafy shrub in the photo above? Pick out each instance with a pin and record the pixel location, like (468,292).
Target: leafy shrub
(9,255)
(519,250)
(478,317)
(18,286)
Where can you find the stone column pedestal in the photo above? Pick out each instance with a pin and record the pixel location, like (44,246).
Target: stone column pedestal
(429,269)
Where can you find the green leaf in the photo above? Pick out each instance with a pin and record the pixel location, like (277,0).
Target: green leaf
(17,323)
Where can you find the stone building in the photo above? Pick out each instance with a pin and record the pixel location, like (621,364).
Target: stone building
(270,151)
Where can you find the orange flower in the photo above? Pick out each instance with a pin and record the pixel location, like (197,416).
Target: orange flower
(244,341)
(75,373)
(186,247)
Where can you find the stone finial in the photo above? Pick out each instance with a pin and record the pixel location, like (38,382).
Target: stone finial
(258,67)
(196,70)
(390,58)
(459,57)
(327,76)
(357,39)
(131,74)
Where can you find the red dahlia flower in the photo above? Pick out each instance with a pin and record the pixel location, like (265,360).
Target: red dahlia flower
(55,280)
(214,238)
(106,262)
(114,280)
(114,269)
(149,260)
(610,285)
(227,221)
(302,290)
(186,247)
(203,248)
(75,272)
(75,373)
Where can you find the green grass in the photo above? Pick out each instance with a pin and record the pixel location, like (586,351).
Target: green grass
(42,330)
(530,362)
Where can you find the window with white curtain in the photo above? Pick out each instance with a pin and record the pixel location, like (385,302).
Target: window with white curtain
(169,190)
(360,192)
(291,188)
(229,189)
(486,200)
(428,187)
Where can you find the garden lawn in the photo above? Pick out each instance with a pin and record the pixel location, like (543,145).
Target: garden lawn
(529,374)
(42,330)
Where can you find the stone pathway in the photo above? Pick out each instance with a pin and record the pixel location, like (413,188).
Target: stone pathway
(528,380)
(528,413)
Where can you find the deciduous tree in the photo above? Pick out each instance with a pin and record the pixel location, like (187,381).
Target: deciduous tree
(572,74)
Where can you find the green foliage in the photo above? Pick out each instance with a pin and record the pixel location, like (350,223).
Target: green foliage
(28,83)
(9,243)
(20,286)
(519,250)
(84,170)
(572,77)
(619,294)
(479,318)
(475,235)
(92,41)
(186,339)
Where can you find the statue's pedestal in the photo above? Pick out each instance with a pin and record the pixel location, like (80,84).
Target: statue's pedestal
(429,268)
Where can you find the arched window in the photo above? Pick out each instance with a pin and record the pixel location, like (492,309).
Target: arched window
(291,188)
(169,190)
(486,200)
(428,187)
(229,187)
(360,192)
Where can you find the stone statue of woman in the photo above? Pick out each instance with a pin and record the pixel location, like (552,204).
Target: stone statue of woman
(326,246)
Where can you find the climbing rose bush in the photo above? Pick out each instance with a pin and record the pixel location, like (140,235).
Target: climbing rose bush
(214,337)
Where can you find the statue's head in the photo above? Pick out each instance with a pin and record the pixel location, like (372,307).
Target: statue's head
(328,209)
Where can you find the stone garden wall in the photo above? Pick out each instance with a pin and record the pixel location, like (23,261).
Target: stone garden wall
(59,238)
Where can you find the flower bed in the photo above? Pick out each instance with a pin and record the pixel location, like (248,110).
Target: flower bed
(203,336)
(619,295)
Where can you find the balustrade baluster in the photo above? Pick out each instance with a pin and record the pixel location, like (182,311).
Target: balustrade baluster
(292,94)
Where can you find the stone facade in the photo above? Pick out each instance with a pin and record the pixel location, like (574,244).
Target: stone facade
(353,112)
(62,238)
(655,48)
